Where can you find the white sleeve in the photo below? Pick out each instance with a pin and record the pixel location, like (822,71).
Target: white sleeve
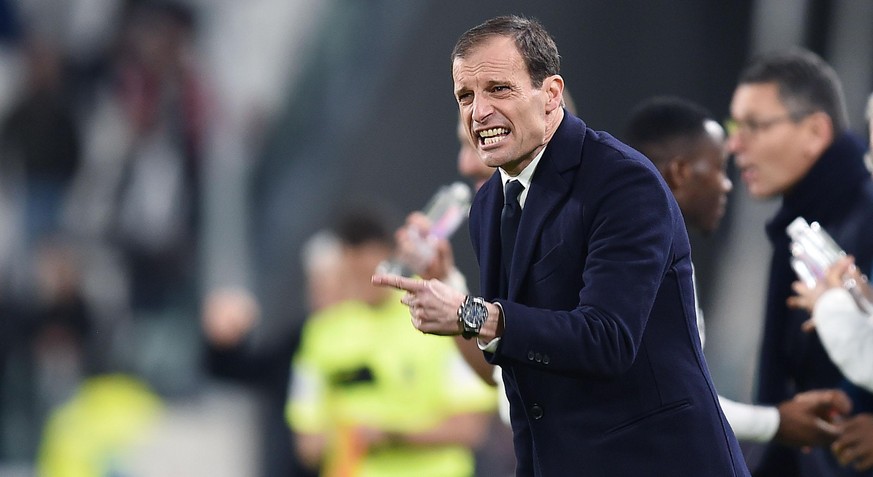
(750,422)
(847,335)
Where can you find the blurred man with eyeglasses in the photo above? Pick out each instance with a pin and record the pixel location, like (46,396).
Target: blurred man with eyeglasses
(789,137)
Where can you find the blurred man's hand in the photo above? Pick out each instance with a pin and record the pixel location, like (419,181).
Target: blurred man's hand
(809,418)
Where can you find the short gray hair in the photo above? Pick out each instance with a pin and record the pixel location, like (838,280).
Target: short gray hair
(806,83)
(535,44)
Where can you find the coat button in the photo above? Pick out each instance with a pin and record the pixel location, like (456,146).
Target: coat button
(530,355)
(538,358)
(536,411)
(546,359)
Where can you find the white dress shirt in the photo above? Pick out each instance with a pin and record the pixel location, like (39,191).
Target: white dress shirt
(847,335)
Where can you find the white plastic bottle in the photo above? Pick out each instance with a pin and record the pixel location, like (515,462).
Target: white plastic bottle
(813,251)
(446,211)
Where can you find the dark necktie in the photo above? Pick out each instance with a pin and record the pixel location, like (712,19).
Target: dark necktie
(509,220)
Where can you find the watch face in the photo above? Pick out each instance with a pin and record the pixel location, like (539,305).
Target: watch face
(473,316)
(476,315)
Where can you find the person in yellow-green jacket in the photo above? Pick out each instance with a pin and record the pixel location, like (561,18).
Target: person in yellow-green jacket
(373,397)
(94,433)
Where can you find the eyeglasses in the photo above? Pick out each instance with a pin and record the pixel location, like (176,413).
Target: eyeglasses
(751,127)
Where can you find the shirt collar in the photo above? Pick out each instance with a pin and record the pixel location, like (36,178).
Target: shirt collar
(524,177)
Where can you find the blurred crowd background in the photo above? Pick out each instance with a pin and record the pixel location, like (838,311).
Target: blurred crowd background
(154,151)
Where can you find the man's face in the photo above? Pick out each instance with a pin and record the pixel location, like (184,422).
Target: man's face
(771,150)
(702,195)
(503,114)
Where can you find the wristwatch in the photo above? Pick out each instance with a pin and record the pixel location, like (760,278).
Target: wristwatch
(472,314)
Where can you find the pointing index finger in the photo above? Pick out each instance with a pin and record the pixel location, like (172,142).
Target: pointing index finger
(398,282)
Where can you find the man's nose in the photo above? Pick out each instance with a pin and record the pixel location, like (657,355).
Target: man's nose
(735,143)
(482,108)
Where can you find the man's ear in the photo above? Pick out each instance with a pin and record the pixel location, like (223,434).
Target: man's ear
(675,173)
(820,131)
(554,89)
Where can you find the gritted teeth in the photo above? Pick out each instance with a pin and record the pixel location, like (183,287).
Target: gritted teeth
(493,132)
(493,135)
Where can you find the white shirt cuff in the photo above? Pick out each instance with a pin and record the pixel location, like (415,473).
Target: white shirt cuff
(750,422)
(491,346)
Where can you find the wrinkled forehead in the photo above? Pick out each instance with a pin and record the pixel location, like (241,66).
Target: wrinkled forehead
(472,46)
(493,57)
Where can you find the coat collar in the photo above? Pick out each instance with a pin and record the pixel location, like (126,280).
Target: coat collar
(827,189)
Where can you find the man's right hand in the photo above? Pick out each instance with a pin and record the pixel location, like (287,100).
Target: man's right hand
(439,259)
(808,419)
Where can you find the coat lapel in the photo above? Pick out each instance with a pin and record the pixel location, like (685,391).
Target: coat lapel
(492,205)
(550,184)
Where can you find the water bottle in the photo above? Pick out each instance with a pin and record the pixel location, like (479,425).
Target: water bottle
(446,210)
(813,251)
